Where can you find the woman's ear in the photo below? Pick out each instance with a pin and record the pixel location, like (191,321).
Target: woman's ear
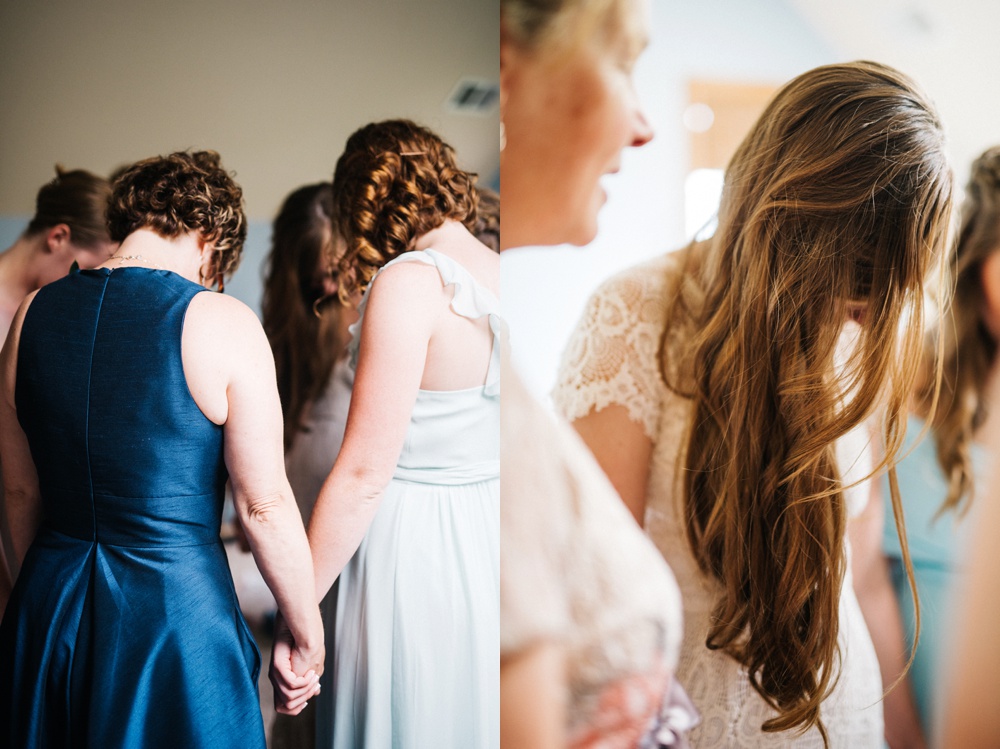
(57,240)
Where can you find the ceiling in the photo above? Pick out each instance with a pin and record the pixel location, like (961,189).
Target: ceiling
(949,47)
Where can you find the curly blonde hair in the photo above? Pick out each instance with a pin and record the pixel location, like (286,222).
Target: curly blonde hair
(970,349)
(838,200)
(395,182)
(186,191)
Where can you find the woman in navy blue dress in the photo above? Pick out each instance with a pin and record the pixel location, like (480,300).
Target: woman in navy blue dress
(128,397)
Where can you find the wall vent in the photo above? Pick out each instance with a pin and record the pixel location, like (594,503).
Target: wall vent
(473,96)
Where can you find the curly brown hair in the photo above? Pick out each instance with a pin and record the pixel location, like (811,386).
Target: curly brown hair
(395,182)
(186,191)
(488,226)
(78,199)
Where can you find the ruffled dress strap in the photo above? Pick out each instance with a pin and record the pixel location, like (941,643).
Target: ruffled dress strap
(471,300)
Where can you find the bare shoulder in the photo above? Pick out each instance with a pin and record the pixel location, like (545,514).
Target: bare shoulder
(478,260)
(227,321)
(410,287)
(225,335)
(221,309)
(225,351)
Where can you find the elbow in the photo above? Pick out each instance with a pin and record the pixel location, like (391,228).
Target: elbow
(370,483)
(262,511)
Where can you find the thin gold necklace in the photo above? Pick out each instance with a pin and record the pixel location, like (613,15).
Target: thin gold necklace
(122,258)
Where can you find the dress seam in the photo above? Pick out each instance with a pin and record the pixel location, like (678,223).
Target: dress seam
(90,380)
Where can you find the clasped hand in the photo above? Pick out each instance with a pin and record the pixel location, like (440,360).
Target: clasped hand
(294,670)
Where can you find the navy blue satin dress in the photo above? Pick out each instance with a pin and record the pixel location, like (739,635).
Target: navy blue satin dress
(123,629)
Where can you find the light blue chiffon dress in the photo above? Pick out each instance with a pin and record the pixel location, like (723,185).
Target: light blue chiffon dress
(413,655)
(937,547)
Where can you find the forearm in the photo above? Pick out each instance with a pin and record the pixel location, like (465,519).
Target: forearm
(278,542)
(344,510)
(533,699)
(881,611)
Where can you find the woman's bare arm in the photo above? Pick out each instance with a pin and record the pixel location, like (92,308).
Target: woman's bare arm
(397,326)
(873,587)
(623,451)
(230,371)
(22,501)
(533,699)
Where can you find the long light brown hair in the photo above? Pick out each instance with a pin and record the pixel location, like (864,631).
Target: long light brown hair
(835,205)
(969,347)
(304,334)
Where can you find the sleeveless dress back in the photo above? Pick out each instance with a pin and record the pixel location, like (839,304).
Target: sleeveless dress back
(413,655)
(123,629)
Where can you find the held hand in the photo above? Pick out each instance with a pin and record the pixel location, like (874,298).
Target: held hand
(294,672)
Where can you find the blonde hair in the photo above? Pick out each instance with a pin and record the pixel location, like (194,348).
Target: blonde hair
(558,27)
(555,25)
(838,199)
(969,347)
(395,182)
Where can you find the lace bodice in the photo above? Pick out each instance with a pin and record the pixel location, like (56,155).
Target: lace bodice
(613,358)
(577,570)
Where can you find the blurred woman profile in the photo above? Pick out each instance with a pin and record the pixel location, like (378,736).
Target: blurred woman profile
(943,478)
(69,225)
(407,520)
(128,398)
(590,613)
(726,390)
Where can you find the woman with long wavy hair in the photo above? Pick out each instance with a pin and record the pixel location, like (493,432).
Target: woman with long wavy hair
(940,477)
(726,390)
(407,521)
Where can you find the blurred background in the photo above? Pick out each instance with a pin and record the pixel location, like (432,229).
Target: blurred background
(709,70)
(276,88)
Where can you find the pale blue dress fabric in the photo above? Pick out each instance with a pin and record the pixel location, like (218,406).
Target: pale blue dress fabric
(413,655)
(936,548)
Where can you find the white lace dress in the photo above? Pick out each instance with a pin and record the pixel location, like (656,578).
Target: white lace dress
(576,570)
(612,358)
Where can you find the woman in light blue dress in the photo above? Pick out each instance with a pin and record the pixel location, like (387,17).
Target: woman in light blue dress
(408,520)
(940,511)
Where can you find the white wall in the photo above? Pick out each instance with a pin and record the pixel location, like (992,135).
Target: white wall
(276,88)
(544,290)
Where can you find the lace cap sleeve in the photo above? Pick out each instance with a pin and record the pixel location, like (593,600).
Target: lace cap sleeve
(613,355)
